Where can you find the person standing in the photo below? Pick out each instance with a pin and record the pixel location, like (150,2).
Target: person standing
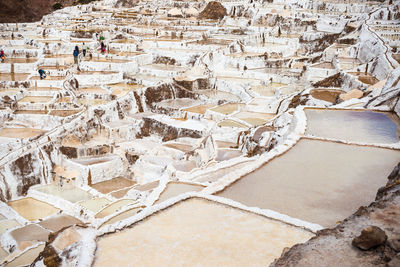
(84,50)
(2,55)
(76,54)
(103,47)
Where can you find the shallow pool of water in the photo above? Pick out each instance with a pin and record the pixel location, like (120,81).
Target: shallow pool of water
(36,99)
(231,123)
(20,60)
(227,108)
(317,181)
(122,216)
(329,95)
(20,133)
(95,204)
(227,154)
(199,231)
(67,192)
(57,223)
(29,234)
(356,126)
(175,188)
(254,118)
(27,257)
(32,209)
(201,109)
(110,209)
(112,185)
(178,146)
(13,76)
(7,224)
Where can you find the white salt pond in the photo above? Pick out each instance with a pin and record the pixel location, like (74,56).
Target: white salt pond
(201,232)
(68,192)
(317,181)
(351,125)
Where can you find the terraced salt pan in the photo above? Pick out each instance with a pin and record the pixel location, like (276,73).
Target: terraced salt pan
(329,95)
(201,109)
(20,60)
(317,181)
(227,154)
(26,258)
(35,112)
(148,186)
(14,77)
(175,188)
(92,102)
(110,209)
(122,216)
(254,118)
(36,99)
(232,123)
(57,223)
(202,232)
(178,146)
(95,204)
(216,95)
(51,78)
(68,192)
(94,160)
(3,254)
(352,125)
(7,224)
(32,209)
(29,234)
(121,89)
(225,144)
(113,184)
(20,133)
(63,113)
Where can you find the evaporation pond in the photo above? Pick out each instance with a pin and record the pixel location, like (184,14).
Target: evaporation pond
(32,209)
(69,193)
(174,188)
(200,231)
(27,257)
(108,186)
(317,181)
(356,126)
(57,223)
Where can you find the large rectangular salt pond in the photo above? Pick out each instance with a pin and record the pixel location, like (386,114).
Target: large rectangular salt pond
(351,125)
(317,181)
(202,233)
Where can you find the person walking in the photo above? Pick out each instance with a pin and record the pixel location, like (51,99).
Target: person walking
(76,54)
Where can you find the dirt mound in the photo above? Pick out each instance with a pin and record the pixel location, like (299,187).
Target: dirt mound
(213,10)
(331,81)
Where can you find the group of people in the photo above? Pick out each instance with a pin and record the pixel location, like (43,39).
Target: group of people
(85,50)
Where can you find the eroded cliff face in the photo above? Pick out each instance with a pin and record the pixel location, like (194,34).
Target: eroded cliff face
(27,10)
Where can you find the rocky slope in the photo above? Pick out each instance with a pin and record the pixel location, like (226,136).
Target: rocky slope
(28,10)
